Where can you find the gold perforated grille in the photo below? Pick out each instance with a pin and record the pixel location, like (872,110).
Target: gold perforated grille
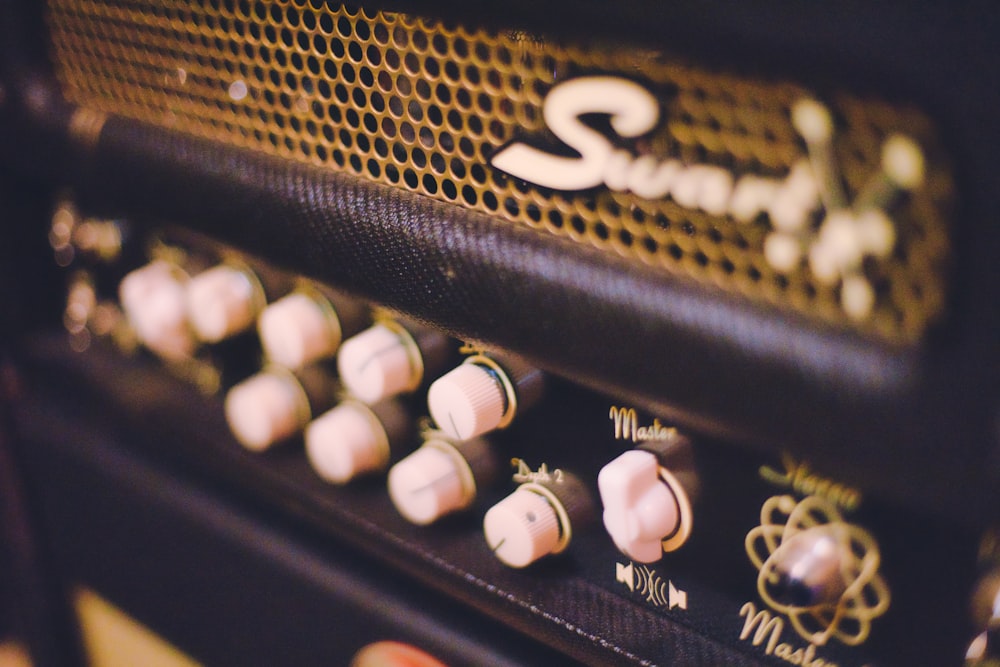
(422,106)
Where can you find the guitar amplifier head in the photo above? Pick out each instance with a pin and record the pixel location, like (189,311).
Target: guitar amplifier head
(768,228)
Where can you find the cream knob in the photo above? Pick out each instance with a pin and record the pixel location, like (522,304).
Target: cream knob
(640,509)
(380,362)
(346,442)
(222,301)
(265,409)
(298,329)
(430,483)
(153,300)
(522,528)
(467,401)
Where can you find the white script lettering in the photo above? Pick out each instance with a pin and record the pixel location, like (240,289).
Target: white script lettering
(634,111)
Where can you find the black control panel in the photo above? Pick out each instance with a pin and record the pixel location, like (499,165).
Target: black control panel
(539,502)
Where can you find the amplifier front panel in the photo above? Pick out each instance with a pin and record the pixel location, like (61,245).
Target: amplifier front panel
(817,201)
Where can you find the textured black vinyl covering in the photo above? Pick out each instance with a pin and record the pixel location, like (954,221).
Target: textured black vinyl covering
(863,411)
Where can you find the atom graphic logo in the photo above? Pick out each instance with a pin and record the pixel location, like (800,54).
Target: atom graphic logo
(817,569)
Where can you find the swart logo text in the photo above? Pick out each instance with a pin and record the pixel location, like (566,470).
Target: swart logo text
(812,219)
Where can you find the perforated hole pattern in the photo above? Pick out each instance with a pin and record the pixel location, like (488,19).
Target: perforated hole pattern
(422,106)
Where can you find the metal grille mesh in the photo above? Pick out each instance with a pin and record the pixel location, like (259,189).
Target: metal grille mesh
(422,105)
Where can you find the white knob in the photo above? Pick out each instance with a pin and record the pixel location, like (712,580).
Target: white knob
(153,299)
(640,510)
(430,483)
(378,363)
(222,301)
(345,442)
(522,528)
(297,329)
(467,401)
(265,409)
